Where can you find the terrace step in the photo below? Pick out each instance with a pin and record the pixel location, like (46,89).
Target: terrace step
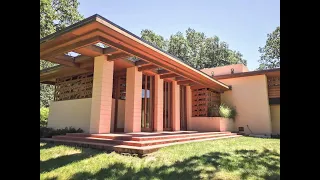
(145,137)
(150,142)
(125,148)
(162,137)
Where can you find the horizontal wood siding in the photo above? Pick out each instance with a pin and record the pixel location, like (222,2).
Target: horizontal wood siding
(274,87)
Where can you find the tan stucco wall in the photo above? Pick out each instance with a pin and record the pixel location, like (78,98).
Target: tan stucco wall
(204,124)
(250,97)
(226,124)
(238,68)
(75,113)
(275,118)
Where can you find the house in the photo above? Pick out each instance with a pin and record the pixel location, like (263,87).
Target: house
(110,80)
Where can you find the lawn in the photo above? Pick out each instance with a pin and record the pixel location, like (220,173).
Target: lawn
(237,158)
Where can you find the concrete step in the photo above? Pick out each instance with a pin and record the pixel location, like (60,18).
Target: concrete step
(162,137)
(145,142)
(125,148)
(144,136)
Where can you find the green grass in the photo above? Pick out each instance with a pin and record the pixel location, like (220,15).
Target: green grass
(237,158)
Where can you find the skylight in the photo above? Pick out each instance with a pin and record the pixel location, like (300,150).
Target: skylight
(133,59)
(73,54)
(101,45)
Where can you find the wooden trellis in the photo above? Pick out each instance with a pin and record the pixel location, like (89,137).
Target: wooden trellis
(205,102)
(274,87)
(119,87)
(74,87)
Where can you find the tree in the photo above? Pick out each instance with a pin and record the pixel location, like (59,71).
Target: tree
(195,49)
(154,39)
(270,53)
(55,15)
(178,46)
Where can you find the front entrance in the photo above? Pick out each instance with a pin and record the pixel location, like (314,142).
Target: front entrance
(167,106)
(147,104)
(183,108)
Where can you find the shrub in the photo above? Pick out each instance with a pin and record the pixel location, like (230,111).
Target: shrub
(227,111)
(44,112)
(46,132)
(213,112)
(276,136)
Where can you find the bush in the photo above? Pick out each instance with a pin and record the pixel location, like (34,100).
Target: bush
(213,112)
(227,111)
(44,112)
(276,136)
(46,132)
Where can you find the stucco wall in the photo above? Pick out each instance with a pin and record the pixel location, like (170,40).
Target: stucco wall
(226,124)
(204,124)
(238,68)
(275,118)
(75,113)
(250,97)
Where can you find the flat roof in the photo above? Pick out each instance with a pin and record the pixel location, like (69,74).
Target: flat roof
(267,72)
(110,29)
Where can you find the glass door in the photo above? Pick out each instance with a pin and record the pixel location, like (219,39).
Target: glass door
(147,103)
(167,106)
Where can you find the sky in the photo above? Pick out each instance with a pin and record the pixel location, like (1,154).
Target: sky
(243,24)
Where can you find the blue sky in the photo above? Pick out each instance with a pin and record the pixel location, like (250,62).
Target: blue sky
(243,24)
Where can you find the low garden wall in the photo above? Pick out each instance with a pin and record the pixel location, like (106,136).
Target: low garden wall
(211,124)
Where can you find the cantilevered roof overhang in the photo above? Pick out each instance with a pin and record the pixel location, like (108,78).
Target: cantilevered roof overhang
(268,72)
(83,36)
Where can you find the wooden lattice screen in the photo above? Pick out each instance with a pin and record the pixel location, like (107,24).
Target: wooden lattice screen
(274,87)
(205,102)
(74,87)
(119,87)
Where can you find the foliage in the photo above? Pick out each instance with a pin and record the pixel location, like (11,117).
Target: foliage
(276,136)
(227,111)
(55,15)
(153,38)
(46,132)
(232,159)
(213,112)
(195,49)
(44,113)
(270,53)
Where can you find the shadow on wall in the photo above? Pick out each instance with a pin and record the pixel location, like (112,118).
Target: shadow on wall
(246,163)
